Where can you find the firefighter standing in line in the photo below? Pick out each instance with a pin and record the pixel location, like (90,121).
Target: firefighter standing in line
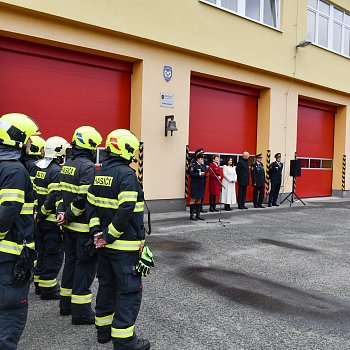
(16,224)
(34,152)
(115,211)
(275,172)
(48,236)
(79,271)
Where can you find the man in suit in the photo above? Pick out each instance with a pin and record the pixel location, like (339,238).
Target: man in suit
(275,172)
(242,171)
(258,178)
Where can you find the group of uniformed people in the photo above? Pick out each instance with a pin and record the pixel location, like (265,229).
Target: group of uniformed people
(198,172)
(92,219)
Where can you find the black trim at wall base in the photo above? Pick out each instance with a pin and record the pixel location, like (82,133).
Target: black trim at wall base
(341,194)
(166,205)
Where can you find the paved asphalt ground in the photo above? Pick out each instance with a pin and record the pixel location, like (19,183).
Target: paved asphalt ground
(273,278)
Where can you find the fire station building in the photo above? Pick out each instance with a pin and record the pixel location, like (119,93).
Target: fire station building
(262,76)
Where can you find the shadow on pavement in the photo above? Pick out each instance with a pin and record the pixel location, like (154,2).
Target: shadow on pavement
(287,245)
(267,295)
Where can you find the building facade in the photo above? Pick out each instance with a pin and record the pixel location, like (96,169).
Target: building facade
(234,74)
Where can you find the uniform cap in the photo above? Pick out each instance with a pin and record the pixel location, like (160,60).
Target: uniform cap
(277,155)
(259,155)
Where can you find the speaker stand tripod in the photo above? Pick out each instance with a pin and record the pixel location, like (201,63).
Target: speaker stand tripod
(292,195)
(219,221)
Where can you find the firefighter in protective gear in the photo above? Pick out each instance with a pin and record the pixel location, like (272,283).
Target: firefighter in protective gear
(115,212)
(16,224)
(48,238)
(34,152)
(79,271)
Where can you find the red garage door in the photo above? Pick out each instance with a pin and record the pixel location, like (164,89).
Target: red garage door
(63,89)
(315,148)
(223,118)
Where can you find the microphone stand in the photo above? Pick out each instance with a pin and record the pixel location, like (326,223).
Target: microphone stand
(222,187)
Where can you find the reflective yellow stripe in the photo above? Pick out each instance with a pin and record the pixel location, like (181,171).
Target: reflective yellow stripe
(82,189)
(47,283)
(27,209)
(41,190)
(102,202)
(127,196)
(36,278)
(11,195)
(45,211)
(3,234)
(54,186)
(81,299)
(58,202)
(65,292)
(104,321)
(79,227)
(125,245)
(51,218)
(12,247)
(139,207)
(32,179)
(76,211)
(94,222)
(113,231)
(123,332)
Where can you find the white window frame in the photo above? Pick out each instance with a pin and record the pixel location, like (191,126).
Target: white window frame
(241,11)
(332,20)
(321,163)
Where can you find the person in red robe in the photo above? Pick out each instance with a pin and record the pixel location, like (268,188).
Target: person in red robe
(214,183)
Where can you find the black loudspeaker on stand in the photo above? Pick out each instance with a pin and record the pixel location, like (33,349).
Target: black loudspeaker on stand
(294,171)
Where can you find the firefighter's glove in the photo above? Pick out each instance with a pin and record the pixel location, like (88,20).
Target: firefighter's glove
(24,267)
(143,267)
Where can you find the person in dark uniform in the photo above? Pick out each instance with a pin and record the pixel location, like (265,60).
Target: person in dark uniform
(48,236)
(258,179)
(197,186)
(34,152)
(80,266)
(16,224)
(242,170)
(201,150)
(115,212)
(275,172)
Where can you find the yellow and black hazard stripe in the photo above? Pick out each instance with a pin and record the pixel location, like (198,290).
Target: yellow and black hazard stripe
(268,162)
(140,165)
(343,173)
(187,170)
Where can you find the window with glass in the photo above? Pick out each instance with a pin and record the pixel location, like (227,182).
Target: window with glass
(328,26)
(316,163)
(263,11)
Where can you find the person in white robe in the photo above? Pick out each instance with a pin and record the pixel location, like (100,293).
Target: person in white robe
(228,196)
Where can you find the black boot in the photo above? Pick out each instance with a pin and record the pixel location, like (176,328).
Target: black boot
(84,320)
(198,211)
(140,344)
(192,212)
(227,207)
(211,208)
(203,210)
(214,204)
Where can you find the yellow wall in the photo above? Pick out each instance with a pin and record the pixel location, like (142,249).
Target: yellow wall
(198,27)
(164,157)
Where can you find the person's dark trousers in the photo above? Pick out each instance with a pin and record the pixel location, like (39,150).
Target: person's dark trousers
(50,255)
(242,192)
(274,192)
(118,298)
(13,307)
(78,274)
(39,247)
(202,210)
(258,196)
